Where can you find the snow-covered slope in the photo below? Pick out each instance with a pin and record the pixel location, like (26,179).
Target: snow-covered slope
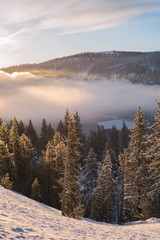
(23,218)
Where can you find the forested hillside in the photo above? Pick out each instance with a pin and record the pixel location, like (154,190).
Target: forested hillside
(138,67)
(109,176)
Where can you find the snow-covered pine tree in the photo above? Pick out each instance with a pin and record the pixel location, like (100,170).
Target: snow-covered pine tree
(53,159)
(89,178)
(59,159)
(15,154)
(71,202)
(137,168)
(153,154)
(6,165)
(103,194)
(26,155)
(4,132)
(124,206)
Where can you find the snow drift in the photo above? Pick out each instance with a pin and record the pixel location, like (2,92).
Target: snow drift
(23,218)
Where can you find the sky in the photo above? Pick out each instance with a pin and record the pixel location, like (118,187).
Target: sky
(39,30)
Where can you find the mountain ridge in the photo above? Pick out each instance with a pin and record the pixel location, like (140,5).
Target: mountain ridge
(137,67)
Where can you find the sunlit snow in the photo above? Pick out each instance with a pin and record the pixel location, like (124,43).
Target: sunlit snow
(23,218)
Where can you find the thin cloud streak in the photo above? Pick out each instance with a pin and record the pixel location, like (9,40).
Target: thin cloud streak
(70,16)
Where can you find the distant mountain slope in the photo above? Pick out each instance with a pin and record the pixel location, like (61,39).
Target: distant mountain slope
(23,218)
(134,66)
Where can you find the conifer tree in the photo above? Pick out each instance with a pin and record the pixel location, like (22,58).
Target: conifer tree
(97,141)
(61,128)
(66,117)
(89,178)
(31,133)
(5,182)
(53,159)
(4,132)
(71,203)
(15,151)
(137,168)
(124,136)
(44,135)
(60,152)
(103,193)
(114,140)
(153,154)
(80,135)
(26,154)
(50,132)
(123,162)
(21,128)
(6,165)
(36,190)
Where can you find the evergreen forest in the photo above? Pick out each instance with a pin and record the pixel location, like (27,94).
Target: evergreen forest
(110,175)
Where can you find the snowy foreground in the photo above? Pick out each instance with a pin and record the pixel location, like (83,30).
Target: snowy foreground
(23,218)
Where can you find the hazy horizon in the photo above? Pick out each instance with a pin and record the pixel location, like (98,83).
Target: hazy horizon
(28,96)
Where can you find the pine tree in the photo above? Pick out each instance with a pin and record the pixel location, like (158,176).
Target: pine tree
(53,159)
(31,133)
(15,152)
(44,135)
(114,140)
(5,182)
(124,136)
(51,132)
(6,165)
(137,168)
(26,154)
(60,152)
(71,204)
(103,193)
(36,190)
(66,117)
(153,154)
(123,162)
(89,178)
(21,128)
(80,135)
(61,128)
(97,141)
(4,132)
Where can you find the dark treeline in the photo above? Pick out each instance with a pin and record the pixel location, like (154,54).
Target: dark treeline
(110,175)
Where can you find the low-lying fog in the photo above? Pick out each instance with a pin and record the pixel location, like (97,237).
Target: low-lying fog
(27,96)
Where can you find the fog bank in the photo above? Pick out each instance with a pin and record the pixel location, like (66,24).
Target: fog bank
(27,96)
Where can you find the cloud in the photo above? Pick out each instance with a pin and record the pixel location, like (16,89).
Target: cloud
(30,97)
(68,16)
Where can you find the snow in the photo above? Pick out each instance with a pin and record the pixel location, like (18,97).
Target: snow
(116,122)
(23,218)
